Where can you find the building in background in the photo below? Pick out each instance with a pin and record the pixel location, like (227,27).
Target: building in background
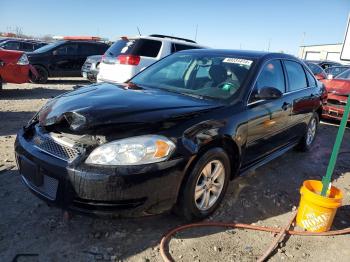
(334,52)
(321,52)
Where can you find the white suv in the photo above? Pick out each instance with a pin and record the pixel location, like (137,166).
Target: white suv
(128,56)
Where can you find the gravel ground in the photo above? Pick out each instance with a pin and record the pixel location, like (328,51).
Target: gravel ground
(265,197)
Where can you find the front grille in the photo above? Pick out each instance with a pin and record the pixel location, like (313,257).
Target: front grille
(47,189)
(335,102)
(52,147)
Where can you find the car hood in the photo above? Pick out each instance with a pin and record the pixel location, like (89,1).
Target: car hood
(107,106)
(338,86)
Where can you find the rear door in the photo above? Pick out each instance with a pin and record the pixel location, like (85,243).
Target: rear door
(302,90)
(268,120)
(27,47)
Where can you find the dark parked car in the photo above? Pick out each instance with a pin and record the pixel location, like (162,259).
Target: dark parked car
(174,135)
(336,70)
(21,45)
(325,63)
(338,91)
(63,58)
(91,67)
(318,71)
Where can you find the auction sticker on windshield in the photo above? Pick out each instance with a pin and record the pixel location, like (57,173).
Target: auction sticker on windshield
(238,61)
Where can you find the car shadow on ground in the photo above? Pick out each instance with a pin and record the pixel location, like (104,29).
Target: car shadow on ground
(34,93)
(62,81)
(270,191)
(15,120)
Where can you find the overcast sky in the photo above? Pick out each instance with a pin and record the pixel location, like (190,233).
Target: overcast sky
(249,24)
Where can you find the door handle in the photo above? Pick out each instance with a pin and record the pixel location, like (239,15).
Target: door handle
(2,63)
(285,106)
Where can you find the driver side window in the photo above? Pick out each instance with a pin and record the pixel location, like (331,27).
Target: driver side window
(67,50)
(271,76)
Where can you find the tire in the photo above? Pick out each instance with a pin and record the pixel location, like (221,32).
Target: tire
(42,75)
(308,139)
(192,208)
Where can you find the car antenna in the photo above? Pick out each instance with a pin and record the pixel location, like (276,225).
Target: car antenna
(138,30)
(195,36)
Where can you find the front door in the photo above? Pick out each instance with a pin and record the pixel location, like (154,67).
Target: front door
(268,120)
(65,60)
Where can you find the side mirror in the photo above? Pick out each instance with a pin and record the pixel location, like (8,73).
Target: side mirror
(269,93)
(330,77)
(319,76)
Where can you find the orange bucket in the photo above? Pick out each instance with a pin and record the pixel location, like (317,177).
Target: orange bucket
(316,212)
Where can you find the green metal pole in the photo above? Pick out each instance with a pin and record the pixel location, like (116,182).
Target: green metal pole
(327,178)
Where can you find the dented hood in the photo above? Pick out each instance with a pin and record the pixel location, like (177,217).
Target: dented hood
(105,105)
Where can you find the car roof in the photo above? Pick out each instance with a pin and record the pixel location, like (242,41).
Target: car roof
(25,41)
(323,61)
(241,53)
(346,66)
(166,39)
(82,41)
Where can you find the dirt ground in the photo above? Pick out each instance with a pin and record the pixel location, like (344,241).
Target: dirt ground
(265,197)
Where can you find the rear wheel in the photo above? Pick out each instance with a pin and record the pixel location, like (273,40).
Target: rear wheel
(42,75)
(310,135)
(206,185)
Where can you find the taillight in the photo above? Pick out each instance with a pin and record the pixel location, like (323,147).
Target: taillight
(129,59)
(23,60)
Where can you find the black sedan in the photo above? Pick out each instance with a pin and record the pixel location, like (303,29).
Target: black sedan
(172,136)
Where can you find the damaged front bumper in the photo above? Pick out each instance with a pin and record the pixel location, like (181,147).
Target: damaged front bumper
(335,107)
(102,190)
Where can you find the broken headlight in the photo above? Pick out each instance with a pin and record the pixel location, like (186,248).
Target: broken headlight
(132,151)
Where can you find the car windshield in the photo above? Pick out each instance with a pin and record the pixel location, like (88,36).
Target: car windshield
(47,47)
(344,75)
(199,75)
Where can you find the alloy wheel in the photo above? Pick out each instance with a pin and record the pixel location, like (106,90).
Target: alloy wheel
(209,185)
(311,131)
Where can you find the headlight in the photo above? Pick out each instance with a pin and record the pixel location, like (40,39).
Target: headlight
(132,151)
(23,60)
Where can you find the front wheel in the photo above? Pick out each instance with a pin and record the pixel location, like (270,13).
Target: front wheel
(206,185)
(310,135)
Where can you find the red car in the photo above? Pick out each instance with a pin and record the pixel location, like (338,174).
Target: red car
(14,67)
(338,92)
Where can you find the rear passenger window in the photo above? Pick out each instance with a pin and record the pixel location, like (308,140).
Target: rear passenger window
(87,49)
(310,79)
(138,47)
(27,47)
(146,47)
(296,75)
